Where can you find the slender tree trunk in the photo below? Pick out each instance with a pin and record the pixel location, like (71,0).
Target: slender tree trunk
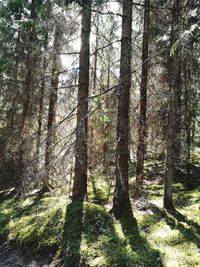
(26,120)
(52,105)
(96,56)
(141,150)
(177,82)
(173,108)
(12,118)
(81,164)
(106,126)
(91,121)
(41,101)
(187,120)
(121,200)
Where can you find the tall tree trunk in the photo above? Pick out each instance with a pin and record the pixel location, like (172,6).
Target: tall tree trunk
(187,120)
(26,121)
(12,119)
(141,150)
(41,100)
(96,55)
(106,125)
(91,120)
(121,200)
(50,141)
(173,134)
(80,179)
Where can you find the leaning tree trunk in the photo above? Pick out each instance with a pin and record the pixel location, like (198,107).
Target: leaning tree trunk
(141,150)
(173,136)
(50,141)
(121,200)
(80,179)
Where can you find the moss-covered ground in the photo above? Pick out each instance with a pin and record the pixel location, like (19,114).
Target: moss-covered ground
(88,235)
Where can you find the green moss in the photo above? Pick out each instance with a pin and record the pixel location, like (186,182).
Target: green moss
(32,222)
(100,188)
(88,234)
(195,157)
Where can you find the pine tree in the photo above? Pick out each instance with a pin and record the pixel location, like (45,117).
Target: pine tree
(121,196)
(141,150)
(81,164)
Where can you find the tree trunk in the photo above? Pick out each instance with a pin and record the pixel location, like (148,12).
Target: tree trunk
(187,120)
(173,134)
(12,119)
(80,179)
(41,101)
(121,200)
(52,105)
(25,146)
(91,121)
(141,150)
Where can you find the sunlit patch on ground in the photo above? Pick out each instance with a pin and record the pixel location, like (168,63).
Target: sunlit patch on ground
(150,238)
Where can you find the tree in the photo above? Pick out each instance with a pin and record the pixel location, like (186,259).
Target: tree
(173,135)
(141,150)
(80,178)
(41,98)
(26,116)
(121,195)
(52,104)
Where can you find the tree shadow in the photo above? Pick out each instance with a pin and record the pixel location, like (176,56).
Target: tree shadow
(192,233)
(181,218)
(100,232)
(72,235)
(176,220)
(139,245)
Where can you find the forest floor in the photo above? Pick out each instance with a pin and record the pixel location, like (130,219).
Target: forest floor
(40,226)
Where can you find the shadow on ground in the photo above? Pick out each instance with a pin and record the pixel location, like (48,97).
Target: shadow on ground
(176,220)
(93,238)
(72,233)
(149,257)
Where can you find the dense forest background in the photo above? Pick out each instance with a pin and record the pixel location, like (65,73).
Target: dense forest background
(100,132)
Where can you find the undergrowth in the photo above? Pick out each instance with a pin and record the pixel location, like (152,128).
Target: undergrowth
(87,234)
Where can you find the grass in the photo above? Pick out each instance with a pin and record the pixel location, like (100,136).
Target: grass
(87,234)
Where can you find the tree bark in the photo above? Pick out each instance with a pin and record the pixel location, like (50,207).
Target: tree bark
(173,133)
(142,142)
(121,202)
(81,146)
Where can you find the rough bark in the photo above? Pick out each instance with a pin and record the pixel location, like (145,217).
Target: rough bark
(141,150)
(173,136)
(81,164)
(121,196)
